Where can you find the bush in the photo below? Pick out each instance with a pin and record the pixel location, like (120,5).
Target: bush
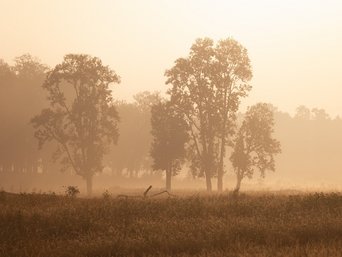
(72,191)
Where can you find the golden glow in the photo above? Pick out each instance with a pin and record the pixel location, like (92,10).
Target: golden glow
(295,46)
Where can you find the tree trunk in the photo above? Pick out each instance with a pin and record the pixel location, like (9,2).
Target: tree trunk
(223,145)
(168,179)
(221,164)
(89,180)
(208,182)
(238,183)
(220,179)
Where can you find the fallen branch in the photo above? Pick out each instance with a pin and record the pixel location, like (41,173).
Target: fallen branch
(130,196)
(146,191)
(145,194)
(165,191)
(136,196)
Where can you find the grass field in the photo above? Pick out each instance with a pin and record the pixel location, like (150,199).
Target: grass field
(195,225)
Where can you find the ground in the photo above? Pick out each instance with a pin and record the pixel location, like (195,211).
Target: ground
(252,224)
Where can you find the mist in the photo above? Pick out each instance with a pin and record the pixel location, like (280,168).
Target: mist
(310,139)
(170,128)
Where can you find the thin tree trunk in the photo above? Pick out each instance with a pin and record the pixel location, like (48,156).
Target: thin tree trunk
(220,179)
(221,164)
(239,178)
(168,179)
(223,145)
(89,181)
(208,182)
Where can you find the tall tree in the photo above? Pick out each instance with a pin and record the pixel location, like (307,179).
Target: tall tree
(231,76)
(206,88)
(22,82)
(132,152)
(192,94)
(320,114)
(27,67)
(170,135)
(254,145)
(303,113)
(83,121)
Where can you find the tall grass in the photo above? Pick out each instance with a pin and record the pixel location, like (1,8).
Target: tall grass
(216,225)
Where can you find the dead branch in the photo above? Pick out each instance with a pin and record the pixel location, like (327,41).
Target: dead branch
(165,191)
(129,196)
(145,194)
(146,191)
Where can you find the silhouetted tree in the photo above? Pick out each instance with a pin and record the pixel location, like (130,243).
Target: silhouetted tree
(170,135)
(146,99)
(206,88)
(132,152)
(21,96)
(6,72)
(27,67)
(232,71)
(84,124)
(320,114)
(254,145)
(144,102)
(303,113)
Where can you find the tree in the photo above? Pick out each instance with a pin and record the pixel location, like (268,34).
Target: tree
(232,73)
(145,100)
(28,67)
(170,135)
(320,114)
(22,82)
(303,113)
(254,145)
(81,118)
(206,88)
(133,149)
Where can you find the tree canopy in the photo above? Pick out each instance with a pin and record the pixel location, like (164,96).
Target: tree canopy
(81,117)
(255,146)
(170,134)
(206,88)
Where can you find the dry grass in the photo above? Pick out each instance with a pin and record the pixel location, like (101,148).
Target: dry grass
(216,225)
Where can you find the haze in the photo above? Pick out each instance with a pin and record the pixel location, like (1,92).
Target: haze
(294,46)
(170,128)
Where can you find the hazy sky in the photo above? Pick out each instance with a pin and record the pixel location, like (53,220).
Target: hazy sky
(295,46)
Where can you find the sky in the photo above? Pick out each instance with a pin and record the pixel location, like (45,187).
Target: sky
(295,47)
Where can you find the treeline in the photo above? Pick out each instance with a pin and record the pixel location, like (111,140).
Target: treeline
(311,149)
(197,129)
(22,97)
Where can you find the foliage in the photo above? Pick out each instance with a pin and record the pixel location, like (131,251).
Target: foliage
(254,146)
(261,225)
(27,67)
(84,122)
(106,195)
(145,100)
(21,97)
(206,88)
(132,153)
(170,134)
(72,191)
(303,113)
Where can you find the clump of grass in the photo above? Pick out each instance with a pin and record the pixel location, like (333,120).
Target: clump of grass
(106,195)
(72,191)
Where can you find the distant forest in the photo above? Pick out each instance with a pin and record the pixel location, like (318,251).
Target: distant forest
(311,141)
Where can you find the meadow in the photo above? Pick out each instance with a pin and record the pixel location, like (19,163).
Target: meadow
(251,224)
